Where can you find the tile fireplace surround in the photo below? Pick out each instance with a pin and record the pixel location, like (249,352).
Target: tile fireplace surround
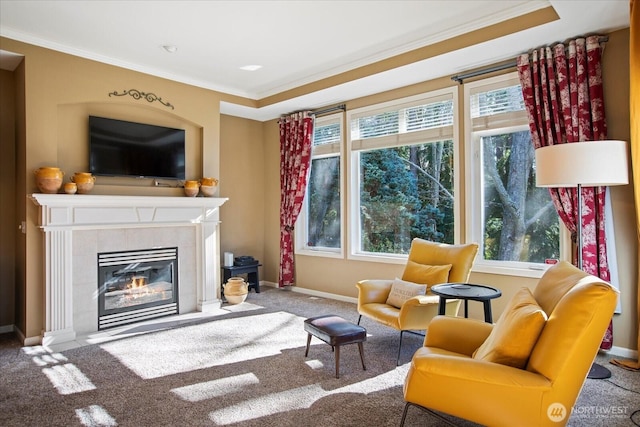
(78,227)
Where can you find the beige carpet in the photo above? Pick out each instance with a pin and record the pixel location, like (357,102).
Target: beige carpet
(244,367)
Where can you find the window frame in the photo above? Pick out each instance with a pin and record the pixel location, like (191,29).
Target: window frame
(301,227)
(474,182)
(354,147)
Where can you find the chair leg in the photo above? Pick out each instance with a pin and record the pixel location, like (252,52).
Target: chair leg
(404,413)
(399,348)
(337,361)
(359,318)
(438,416)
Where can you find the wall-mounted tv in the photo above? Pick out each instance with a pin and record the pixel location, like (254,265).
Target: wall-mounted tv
(121,148)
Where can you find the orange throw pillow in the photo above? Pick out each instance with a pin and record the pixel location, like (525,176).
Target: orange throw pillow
(426,274)
(516,332)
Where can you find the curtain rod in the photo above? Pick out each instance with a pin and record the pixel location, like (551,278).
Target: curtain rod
(460,77)
(342,107)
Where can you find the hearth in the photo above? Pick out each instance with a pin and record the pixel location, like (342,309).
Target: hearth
(136,285)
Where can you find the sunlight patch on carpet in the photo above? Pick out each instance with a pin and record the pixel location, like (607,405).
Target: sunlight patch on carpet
(219,342)
(297,398)
(95,416)
(315,364)
(68,379)
(303,398)
(49,359)
(215,388)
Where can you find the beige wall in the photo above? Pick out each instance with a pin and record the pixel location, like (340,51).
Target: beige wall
(242,166)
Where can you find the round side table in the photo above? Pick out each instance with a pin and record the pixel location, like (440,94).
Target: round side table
(466,292)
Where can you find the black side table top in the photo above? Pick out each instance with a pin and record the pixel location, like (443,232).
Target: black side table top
(466,291)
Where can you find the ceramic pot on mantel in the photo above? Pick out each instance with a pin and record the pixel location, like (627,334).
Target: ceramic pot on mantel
(191,188)
(235,290)
(84,181)
(208,186)
(49,179)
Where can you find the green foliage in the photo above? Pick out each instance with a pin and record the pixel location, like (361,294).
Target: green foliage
(395,196)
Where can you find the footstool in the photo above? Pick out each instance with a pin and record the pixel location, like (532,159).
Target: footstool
(335,331)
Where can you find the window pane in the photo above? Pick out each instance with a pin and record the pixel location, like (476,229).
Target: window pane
(327,134)
(520,222)
(437,114)
(406,192)
(497,101)
(324,203)
(373,126)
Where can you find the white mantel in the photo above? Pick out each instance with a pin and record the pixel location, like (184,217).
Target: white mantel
(61,215)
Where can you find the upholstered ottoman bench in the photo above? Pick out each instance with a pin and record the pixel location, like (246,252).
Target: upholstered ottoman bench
(335,331)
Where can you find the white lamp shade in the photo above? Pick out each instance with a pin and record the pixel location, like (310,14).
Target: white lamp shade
(589,163)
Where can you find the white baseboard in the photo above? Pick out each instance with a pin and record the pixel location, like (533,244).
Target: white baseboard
(324,295)
(313,292)
(6,329)
(627,353)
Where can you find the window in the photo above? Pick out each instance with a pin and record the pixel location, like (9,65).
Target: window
(319,227)
(514,221)
(402,174)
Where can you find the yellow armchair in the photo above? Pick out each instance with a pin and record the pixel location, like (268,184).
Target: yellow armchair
(447,374)
(427,264)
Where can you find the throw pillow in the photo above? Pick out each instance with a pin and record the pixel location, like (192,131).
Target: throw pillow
(516,332)
(402,290)
(426,274)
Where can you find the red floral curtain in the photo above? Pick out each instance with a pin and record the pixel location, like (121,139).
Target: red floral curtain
(296,131)
(562,88)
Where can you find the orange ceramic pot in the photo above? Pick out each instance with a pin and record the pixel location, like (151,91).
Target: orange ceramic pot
(191,188)
(208,186)
(49,179)
(84,181)
(209,182)
(70,188)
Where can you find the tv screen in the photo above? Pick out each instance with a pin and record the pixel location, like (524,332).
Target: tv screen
(120,148)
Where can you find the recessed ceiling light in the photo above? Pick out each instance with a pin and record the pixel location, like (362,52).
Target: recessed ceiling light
(251,67)
(170,48)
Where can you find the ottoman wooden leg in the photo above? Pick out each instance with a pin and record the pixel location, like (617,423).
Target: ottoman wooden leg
(308,342)
(337,361)
(364,368)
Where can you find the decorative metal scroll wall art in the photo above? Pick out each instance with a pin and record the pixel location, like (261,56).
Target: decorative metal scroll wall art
(136,94)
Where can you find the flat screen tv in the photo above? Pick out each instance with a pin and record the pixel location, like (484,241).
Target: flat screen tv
(120,148)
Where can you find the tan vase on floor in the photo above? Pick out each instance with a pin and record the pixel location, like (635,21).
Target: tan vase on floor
(235,290)
(49,179)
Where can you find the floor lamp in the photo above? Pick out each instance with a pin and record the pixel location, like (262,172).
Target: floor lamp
(583,164)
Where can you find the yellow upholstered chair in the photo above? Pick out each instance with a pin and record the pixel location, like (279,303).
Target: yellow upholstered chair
(429,263)
(525,370)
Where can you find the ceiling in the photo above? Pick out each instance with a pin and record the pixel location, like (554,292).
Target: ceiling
(313,53)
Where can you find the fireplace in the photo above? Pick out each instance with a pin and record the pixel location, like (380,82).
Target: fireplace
(78,228)
(136,285)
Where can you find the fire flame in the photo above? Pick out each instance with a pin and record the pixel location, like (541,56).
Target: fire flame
(136,282)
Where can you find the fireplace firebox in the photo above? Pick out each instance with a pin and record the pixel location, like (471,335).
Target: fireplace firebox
(136,285)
